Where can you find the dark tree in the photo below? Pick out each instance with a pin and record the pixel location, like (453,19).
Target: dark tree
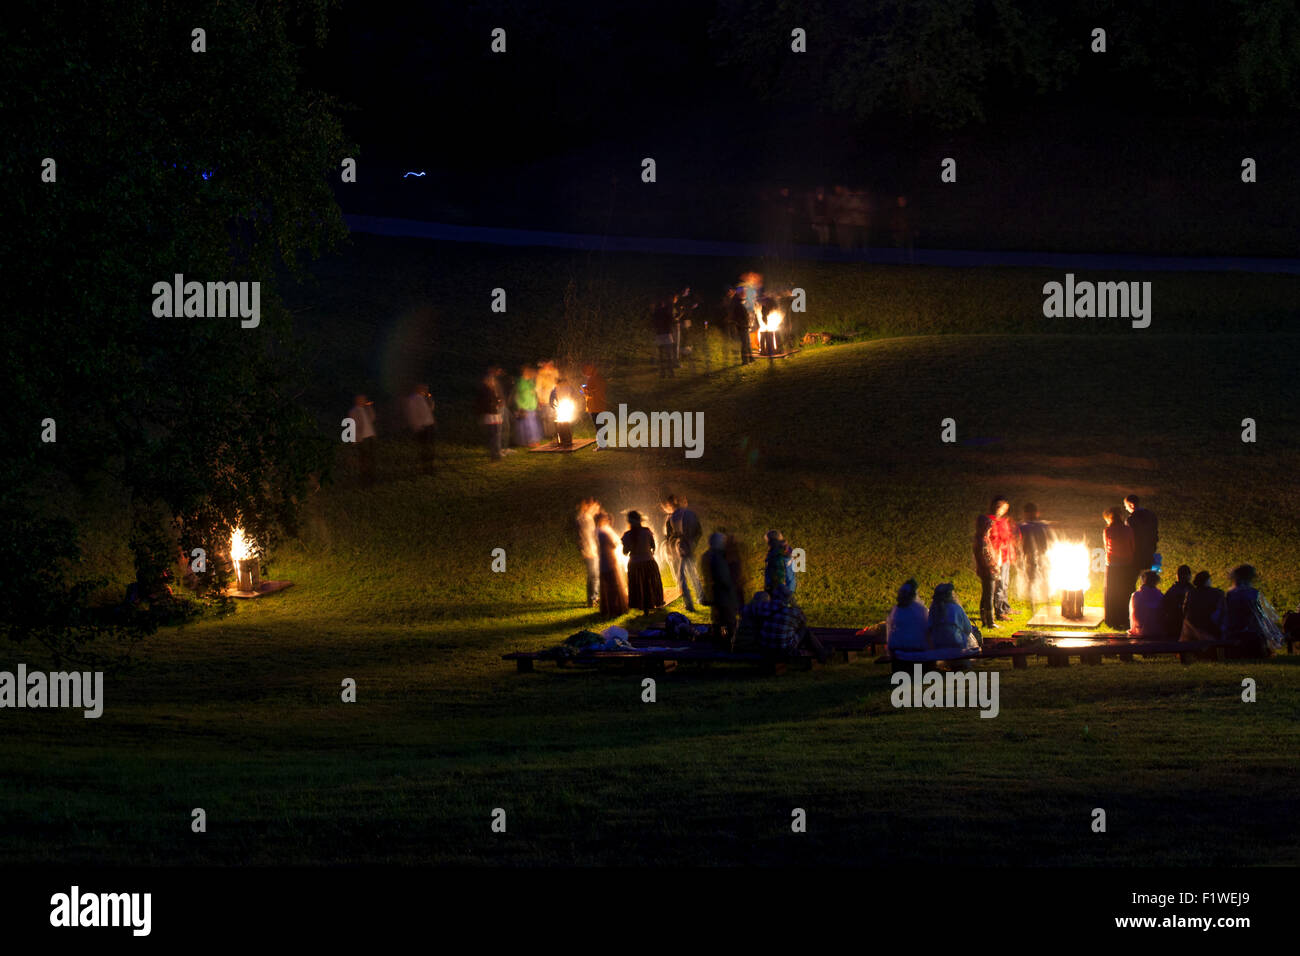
(214,165)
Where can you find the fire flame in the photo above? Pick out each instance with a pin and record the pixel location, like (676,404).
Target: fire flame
(240,547)
(1068,566)
(564,410)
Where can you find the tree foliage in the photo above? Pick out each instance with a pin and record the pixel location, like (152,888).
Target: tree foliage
(209,164)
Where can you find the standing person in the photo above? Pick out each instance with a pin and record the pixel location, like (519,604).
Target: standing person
(527,431)
(613,589)
(819,212)
(661,321)
(734,562)
(1119,570)
(900,227)
(778,575)
(1145,533)
(1003,536)
(547,376)
(986,567)
(487,406)
(738,317)
(594,389)
(645,589)
(683,533)
(419,418)
(1172,608)
(721,593)
(1146,608)
(908,625)
(362,413)
(588,509)
(1033,546)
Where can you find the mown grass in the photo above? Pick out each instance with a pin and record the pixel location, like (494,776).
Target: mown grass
(840,449)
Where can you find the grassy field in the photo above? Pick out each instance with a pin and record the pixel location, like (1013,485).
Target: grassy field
(839,448)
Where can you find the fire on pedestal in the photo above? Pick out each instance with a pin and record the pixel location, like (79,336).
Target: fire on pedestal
(247,569)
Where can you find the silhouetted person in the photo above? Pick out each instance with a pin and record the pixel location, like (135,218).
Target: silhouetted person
(1203,611)
(488,403)
(1119,570)
(1145,533)
(721,593)
(1175,598)
(661,321)
(1146,608)
(419,418)
(363,414)
(645,589)
(1033,548)
(613,589)
(987,563)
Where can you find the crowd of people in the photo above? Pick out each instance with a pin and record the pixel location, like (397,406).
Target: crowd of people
(1191,610)
(847,217)
(771,621)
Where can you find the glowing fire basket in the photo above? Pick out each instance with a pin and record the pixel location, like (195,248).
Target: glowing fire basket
(248,576)
(565,410)
(1068,569)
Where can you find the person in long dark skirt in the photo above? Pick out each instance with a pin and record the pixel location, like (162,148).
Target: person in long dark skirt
(1120,572)
(613,589)
(645,589)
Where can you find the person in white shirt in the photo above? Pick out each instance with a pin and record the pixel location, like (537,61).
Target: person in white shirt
(1146,608)
(419,418)
(362,414)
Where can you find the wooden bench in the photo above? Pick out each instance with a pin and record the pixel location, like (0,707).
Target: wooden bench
(662,659)
(903,660)
(1112,644)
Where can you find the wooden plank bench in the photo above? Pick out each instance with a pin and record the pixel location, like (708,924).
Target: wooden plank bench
(1114,644)
(903,660)
(663,659)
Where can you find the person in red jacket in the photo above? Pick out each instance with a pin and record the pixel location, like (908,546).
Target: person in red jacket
(1003,536)
(1120,570)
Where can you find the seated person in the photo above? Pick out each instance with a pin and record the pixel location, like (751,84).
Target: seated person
(1203,611)
(1175,597)
(1146,608)
(949,627)
(908,622)
(1245,619)
(780,629)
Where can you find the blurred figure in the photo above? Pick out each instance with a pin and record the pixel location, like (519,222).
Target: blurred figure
(949,627)
(1146,608)
(779,628)
(419,418)
(588,509)
(735,564)
(363,413)
(819,213)
(1119,570)
(528,430)
(661,321)
(1003,536)
(1249,621)
(1145,533)
(908,625)
(900,228)
(594,391)
(645,589)
(721,593)
(738,317)
(1175,598)
(1033,548)
(547,376)
(682,532)
(778,575)
(488,403)
(613,589)
(986,567)
(1203,612)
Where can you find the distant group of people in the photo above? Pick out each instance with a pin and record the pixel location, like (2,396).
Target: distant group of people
(847,217)
(771,621)
(530,410)
(1191,610)
(418,410)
